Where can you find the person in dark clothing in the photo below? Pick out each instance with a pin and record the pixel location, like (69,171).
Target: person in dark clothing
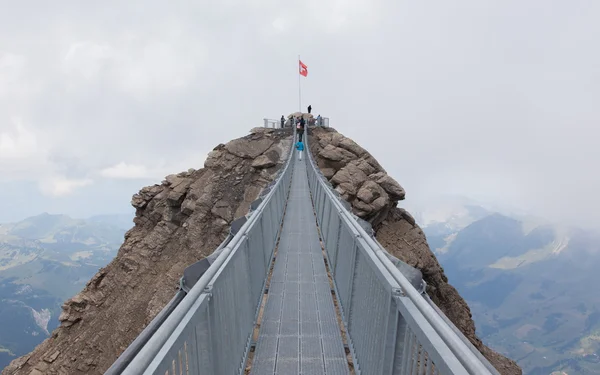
(300,129)
(282,121)
(309,108)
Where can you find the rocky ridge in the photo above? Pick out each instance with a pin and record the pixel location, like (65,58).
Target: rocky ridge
(374,195)
(177,222)
(185,218)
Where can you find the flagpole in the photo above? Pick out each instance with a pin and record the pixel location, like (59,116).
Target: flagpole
(299,89)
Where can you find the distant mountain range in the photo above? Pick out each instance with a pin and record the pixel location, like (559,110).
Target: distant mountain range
(532,286)
(45,260)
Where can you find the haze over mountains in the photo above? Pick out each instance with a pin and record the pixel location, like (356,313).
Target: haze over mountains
(531,284)
(45,260)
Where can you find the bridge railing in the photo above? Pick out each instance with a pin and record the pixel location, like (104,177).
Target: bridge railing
(391,328)
(210,331)
(271,123)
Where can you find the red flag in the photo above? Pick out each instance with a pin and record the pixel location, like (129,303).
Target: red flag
(303,69)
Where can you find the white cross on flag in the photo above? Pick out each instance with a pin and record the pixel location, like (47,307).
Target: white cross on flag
(303,69)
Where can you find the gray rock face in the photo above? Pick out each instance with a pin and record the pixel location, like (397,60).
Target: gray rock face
(355,175)
(263,161)
(370,191)
(243,149)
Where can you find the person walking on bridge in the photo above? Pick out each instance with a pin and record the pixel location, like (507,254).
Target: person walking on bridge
(300,129)
(300,148)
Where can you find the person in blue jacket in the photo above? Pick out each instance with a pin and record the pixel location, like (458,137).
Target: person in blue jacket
(300,148)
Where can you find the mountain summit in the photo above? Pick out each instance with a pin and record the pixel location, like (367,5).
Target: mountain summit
(187,216)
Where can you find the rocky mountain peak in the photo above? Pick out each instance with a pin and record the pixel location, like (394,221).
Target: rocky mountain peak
(184,219)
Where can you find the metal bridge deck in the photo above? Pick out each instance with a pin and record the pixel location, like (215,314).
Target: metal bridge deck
(299,333)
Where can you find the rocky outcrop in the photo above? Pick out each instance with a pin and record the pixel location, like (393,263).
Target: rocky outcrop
(374,196)
(177,223)
(355,174)
(184,219)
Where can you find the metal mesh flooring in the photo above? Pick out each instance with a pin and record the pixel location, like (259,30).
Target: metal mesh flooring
(299,333)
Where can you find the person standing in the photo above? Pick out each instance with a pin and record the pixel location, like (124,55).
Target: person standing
(319,120)
(282,121)
(309,108)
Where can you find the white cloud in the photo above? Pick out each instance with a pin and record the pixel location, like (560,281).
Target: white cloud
(124,170)
(280,24)
(24,158)
(21,143)
(161,168)
(11,69)
(87,60)
(22,155)
(136,64)
(61,186)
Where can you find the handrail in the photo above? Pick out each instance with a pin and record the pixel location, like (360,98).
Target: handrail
(142,339)
(148,352)
(467,358)
(133,349)
(461,336)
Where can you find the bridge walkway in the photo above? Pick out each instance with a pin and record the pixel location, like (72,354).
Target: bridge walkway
(299,332)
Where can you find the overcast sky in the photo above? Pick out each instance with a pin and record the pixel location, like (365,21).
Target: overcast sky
(490,99)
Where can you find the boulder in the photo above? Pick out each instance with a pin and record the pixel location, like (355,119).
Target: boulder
(52,357)
(188,206)
(181,184)
(175,198)
(262,130)
(248,150)
(223,210)
(347,188)
(141,199)
(263,161)
(333,153)
(390,185)
(350,175)
(370,191)
(364,166)
(379,203)
(213,158)
(350,145)
(328,172)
